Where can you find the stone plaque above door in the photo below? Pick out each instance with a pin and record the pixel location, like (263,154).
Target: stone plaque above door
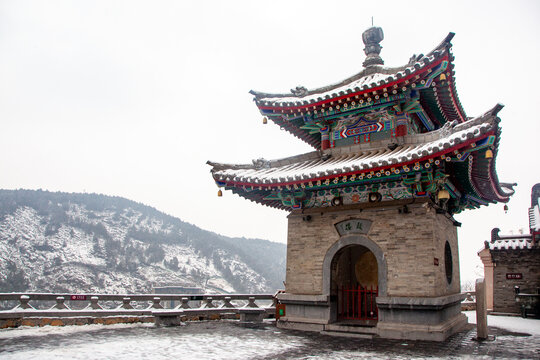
(353,226)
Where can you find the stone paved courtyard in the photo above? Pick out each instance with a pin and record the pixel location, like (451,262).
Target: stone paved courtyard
(502,344)
(233,340)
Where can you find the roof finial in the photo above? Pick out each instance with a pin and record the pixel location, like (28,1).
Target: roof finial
(372,37)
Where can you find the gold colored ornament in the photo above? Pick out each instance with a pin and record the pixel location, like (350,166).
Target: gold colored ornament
(443,194)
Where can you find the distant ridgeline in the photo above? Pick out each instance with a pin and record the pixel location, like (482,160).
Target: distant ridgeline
(95,243)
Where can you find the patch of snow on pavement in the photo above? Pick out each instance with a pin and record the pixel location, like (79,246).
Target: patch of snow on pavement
(511,323)
(206,341)
(24,331)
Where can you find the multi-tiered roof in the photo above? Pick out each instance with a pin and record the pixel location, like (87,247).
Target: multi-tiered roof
(384,134)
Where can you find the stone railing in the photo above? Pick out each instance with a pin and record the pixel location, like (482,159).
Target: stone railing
(470,301)
(161,308)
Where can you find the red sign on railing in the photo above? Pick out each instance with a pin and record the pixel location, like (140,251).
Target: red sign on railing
(78,297)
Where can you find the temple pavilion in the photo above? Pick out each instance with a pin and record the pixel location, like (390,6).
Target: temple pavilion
(372,242)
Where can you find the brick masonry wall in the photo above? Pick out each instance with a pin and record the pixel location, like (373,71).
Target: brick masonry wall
(410,242)
(526,262)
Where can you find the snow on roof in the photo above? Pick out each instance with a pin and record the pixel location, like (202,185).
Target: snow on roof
(507,188)
(355,157)
(512,244)
(365,82)
(368,78)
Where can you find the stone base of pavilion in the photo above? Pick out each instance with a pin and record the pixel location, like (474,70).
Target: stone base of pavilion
(407,318)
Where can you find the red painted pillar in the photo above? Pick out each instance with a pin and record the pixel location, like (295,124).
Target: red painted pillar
(325,138)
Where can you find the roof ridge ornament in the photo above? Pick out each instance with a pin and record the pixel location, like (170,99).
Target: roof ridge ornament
(299,91)
(371,38)
(261,163)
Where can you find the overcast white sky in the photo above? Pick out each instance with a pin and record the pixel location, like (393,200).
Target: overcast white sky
(131,98)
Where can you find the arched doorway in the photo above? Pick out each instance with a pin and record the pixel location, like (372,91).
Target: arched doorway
(355,284)
(342,258)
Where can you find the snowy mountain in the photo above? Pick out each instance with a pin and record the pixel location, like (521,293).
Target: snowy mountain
(60,242)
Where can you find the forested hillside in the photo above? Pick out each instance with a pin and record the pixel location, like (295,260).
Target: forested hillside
(96,243)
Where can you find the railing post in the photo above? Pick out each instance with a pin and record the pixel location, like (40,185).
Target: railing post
(60,303)
(94,303)
(481,310)
(156,303)
(24,299)
(227,303)
(126,303)
(208,303)
(184,304)
(251,302)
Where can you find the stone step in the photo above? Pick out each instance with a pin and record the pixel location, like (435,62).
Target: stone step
(350,328)
(348,334)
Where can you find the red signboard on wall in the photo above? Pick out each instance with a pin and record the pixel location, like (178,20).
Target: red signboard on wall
(514,276)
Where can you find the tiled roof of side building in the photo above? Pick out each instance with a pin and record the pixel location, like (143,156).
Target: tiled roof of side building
(513,244)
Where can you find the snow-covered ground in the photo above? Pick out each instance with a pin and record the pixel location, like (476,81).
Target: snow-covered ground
(232,340)
(510,323)
(212,340)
